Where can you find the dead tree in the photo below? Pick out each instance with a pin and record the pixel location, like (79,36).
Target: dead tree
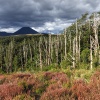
(76,42)
(25,52)
(9,57)
(65,37)
(30,49)
(79,46)
(21,58)
(46,51)
(51,55)
(40,51)
(91,58)
(70,40)
(49,50)
(91,52)
(73,57)
(11,46)
(61,49)
(56,48)
(96,23)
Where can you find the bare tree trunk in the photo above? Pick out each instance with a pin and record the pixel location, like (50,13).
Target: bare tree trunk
(70,41)
(49,52)
(95,28)
(24,53)
(91,57)
(73,53)
(30,51)
(61,49)
(57,47)
(79,46)
(40,51)
(21,57)
(46,52)
(10,53)
(65,44)
(99,57)
(77,50)
(73,58)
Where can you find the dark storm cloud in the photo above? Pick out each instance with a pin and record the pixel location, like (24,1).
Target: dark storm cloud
(35,13)
(22,12)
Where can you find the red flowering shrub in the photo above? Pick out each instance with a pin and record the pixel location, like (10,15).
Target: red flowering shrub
(48,86)
(91,91)
(95,86)
(60,77)
(55,77)
(9,91)
(17,84)
(79,90)
(56,90)
(95,76)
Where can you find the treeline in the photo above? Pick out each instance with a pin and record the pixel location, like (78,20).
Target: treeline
(31,52)
(76,47)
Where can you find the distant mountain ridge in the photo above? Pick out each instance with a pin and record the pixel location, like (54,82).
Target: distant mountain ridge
(25,30)
(5,34)
(22,31)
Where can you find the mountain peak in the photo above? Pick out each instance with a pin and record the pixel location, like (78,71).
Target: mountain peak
(25,30)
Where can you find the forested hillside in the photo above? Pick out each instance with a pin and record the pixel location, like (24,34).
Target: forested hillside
(76,47)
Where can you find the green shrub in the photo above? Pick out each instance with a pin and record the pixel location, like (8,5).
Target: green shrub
(85,55)
(65,63)
(24,85)
(84,66)
(68,72)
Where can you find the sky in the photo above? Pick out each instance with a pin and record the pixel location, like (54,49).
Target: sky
(43,15)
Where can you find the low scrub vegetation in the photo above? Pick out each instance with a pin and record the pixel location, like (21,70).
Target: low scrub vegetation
(60,85)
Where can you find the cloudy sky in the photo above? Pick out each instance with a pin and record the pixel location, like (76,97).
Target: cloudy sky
(43,15)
